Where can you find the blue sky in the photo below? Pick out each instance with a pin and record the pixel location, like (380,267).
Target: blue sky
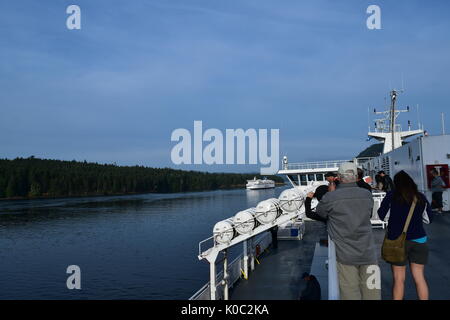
(116,89)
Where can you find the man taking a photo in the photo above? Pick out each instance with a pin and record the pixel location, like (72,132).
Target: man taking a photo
(348,210)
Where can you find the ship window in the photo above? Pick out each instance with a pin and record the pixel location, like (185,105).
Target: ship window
(303,180)
(311,177)
(319,177)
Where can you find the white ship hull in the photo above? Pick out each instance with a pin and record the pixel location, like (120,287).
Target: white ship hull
(256,184)
(264,186)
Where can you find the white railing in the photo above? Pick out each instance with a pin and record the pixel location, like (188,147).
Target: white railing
(331,164)
(363,159)
(314,165)
(333,280)
(387,129)
(375,219)
(234,271)
(234,274)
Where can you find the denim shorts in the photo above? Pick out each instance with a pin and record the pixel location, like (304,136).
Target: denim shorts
(415,253)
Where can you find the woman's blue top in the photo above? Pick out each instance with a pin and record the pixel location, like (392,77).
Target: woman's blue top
(398,212)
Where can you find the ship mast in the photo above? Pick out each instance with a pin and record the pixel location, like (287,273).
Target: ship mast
(392,134)
(392,116)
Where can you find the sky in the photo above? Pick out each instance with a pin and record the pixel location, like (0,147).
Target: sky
(115,90)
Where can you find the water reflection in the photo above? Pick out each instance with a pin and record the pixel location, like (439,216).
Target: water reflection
(128,247)
(255,196)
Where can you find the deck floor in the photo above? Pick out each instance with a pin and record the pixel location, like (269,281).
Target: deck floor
(278,277)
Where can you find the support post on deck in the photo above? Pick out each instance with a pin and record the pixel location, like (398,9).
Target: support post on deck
(212,279)
(252,260)
(246,259)
(225,275)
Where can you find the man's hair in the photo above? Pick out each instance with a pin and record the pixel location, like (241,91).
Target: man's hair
(381,172)
(330,174)
(347,177)
(320,192)
(378,178)
(360,173)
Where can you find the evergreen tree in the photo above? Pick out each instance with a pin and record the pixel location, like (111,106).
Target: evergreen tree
(35,190)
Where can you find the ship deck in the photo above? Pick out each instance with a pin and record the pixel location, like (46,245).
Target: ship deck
(278,276)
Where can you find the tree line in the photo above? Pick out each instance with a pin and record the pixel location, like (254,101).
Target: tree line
(33,177)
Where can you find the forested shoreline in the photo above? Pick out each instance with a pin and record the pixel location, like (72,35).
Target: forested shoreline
(25,178)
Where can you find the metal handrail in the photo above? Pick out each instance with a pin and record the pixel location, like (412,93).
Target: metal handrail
(203,292)
(386,129)
(333,280)
(364,159)
(315,165)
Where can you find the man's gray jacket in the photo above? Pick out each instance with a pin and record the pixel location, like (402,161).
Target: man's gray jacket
(348,210)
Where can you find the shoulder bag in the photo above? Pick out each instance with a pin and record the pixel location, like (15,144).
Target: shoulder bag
(393,251)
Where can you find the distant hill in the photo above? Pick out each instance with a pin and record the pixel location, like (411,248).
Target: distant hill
(372,151)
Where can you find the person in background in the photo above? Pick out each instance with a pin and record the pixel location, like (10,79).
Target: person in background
(348,211)
(318,194)
(333,181)
(360,182)
(378,182)
(398,203)
(388,185)
(437,188)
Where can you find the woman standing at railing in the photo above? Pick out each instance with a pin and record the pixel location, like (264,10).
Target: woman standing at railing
(406,201)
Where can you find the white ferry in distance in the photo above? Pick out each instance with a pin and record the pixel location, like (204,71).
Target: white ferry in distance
(260,184)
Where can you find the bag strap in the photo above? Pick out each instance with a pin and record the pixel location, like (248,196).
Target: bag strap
(411,210)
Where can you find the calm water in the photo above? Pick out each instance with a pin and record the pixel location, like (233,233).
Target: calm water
(128,247)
